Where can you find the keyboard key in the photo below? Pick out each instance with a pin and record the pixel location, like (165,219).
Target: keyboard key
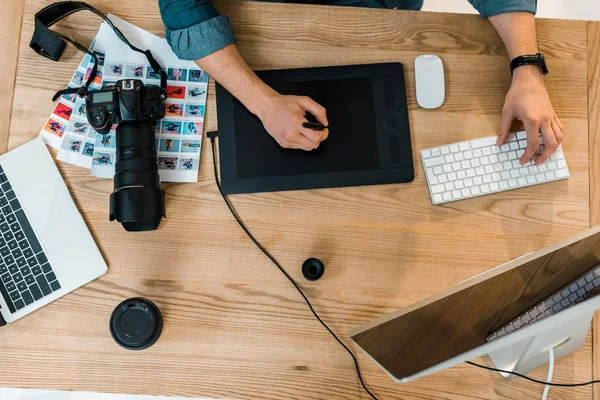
(483,142)
(11,219)
(42,258)
(447,196)
(581,292)
(505,175)
(15,205)
(4,227)
(8,236)
(435,152)
(475,190)
(3,269)
(449,158)
(514,173)
(485,188)
(461,174)
(459,184)
(468,182)
(503,185)
(531,179)
(437,198)
(512,183)
(437,189)
(426,153)
(456,195)
(51,277)
(447,168)
(6,277)
(464,146)
(557,298)
(55,286)
(522,181)
(588,287)
(459,157)
(41,280)
(25,270)
(562,173)
(475,163)
(27,297)
(445,150)
(16,253)
(442,178)
(449,186)
(17,277)
(29,279)
(487,179)
(541,178)
(550,175)
(35,244)
(21,262)
(6,187)
(28,252)
(3,201)
(514,146)
(22,286)
(18,304)
(19,235)
(13,245)
(452,176)
(432,162)
(13,269)
(32,261)
(14,227)
(477,153)
(456,167)
(10,195)
(15,295)
(466,192)
(36,270)
(437,170)
(494,187)
(478,181)
(9,259)
(46,268)
(35,291)
(468,155)
(23,244)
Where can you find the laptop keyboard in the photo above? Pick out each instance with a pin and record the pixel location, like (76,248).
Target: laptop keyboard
(567,297)
(25,274)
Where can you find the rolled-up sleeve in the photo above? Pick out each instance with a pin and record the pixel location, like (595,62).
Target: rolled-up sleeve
(488,8)
(194,28)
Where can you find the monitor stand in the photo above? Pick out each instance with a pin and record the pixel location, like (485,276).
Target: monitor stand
(566,337)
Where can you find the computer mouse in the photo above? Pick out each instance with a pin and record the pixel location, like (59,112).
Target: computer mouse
(429,79)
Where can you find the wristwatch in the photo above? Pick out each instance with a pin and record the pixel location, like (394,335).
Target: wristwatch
(531,59)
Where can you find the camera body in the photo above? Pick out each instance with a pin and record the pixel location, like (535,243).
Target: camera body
(137,201)
(129,101)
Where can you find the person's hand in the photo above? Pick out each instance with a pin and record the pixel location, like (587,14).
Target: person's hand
(283,116)
(527,100)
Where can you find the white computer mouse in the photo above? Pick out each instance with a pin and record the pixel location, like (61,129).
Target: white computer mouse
(429,79)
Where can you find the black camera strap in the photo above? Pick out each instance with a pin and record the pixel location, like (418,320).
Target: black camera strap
(51,44)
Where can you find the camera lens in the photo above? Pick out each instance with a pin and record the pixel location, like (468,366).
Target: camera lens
(137,201)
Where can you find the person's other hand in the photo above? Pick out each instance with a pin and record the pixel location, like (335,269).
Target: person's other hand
(527,100)
(283,116)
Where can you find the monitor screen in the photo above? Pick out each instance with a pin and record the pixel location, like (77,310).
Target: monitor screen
(352,141)
(463,320)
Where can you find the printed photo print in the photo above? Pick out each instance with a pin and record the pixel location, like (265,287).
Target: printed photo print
(85,62)
(196,92)
(192,128)
(177,74)
(190,146)
(107,141)
(188,164)
(169,163)
(88,149)
(55,127)
(171,127)
(114,69)
(63,111)
(77,78)
(100,56)
(171,145)
(79,127)
(79,109)
(102,159)
(174,110)
(71,97)
(134,71)
(176,92)
(194,110)
(72,144)
(150,74)
(197,75)
(97,80)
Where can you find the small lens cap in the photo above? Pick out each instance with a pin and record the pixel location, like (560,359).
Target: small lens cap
(136,324)
(313,269)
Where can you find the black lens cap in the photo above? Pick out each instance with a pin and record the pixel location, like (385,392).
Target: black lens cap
(136,324)
(313,269)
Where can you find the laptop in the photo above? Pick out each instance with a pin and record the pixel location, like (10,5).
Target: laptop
(46,250)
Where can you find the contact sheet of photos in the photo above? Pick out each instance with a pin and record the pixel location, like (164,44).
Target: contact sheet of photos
(178,135)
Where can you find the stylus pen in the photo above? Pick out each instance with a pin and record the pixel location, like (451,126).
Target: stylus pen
(315,126)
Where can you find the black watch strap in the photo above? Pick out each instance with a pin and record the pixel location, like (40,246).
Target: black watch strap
(531,59)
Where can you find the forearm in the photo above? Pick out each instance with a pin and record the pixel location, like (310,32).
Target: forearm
(517,30)
(227,67)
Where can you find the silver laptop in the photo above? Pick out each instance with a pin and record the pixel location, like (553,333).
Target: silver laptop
(46,250)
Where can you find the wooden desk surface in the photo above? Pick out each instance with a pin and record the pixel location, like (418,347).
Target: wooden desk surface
(234,327)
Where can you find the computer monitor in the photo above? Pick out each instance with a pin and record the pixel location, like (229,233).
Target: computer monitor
(454,326)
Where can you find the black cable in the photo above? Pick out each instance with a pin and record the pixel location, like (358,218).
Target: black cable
(533,379)
(266,253)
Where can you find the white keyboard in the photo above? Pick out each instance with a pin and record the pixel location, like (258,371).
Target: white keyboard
(479,167)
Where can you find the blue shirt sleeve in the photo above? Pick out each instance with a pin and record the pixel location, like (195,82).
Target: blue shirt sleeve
(488,8)
(194,28)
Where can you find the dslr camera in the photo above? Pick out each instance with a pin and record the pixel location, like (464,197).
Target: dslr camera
(137,201)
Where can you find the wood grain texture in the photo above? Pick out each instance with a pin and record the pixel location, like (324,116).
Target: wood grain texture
(594,135)
(234,327)
(11,15)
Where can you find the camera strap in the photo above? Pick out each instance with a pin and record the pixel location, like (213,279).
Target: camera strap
(51,44)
